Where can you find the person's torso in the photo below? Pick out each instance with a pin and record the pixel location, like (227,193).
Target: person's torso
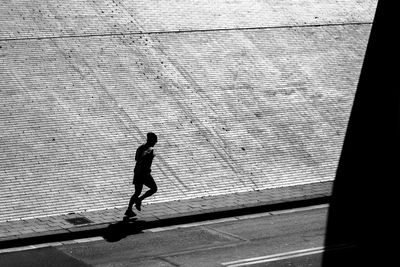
(144,159)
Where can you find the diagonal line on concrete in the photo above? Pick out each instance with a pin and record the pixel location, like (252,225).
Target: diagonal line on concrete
(185,31)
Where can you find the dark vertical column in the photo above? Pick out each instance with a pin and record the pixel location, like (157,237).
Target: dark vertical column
(362,211)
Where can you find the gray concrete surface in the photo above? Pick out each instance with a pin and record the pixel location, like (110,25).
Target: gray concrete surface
(244,96)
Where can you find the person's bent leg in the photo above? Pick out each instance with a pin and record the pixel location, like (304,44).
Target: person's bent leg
(150,183)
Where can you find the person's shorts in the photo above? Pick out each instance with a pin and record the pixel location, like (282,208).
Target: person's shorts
(145,178)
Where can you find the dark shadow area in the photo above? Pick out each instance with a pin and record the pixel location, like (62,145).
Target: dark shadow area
(117,231)
(362,211)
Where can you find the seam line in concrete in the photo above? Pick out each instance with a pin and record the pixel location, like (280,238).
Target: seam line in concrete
(185,31)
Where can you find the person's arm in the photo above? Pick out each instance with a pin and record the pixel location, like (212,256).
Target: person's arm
(137,156)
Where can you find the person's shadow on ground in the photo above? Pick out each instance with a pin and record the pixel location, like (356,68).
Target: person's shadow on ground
(117,231)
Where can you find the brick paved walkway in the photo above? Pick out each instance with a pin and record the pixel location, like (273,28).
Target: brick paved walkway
(13,233)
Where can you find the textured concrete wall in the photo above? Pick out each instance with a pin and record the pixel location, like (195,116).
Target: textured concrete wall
(244,95)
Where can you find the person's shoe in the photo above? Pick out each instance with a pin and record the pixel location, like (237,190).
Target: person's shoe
(130,213)
(138,205)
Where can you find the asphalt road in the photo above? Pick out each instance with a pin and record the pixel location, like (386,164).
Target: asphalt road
(284,238)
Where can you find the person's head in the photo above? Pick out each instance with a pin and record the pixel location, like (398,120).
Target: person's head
(151,138)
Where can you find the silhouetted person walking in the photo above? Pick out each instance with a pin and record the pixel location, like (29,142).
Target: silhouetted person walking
(142,174)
